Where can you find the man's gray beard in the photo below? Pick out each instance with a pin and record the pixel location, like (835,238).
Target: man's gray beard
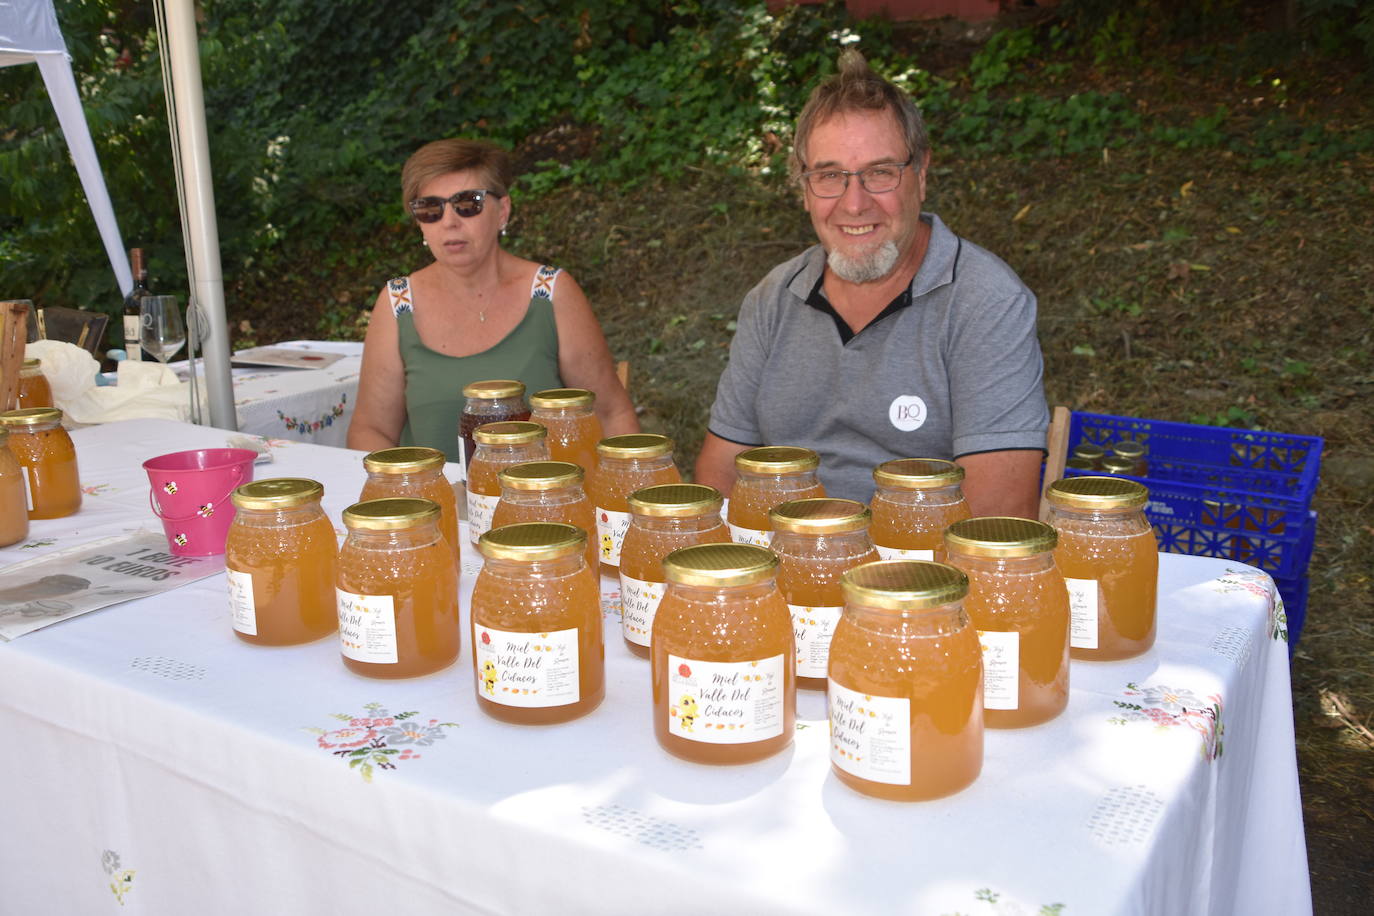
(865,267)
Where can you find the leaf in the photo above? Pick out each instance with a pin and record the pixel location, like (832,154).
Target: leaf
(1021,214)
(1084,350)
(406,715)
(1186,190)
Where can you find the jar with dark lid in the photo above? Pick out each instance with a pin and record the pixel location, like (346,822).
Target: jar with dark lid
(499,445)
(915,501)
(489,401)
(625,464)
(547,491)
(413,471)
(766,477)
(48,457)
(569,414)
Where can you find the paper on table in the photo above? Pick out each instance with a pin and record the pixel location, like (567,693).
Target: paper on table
(285,357)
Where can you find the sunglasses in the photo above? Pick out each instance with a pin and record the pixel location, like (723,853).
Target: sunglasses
(465,204)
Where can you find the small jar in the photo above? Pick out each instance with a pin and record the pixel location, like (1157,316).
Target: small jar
(569,415)
(1079,464)
(1110,561)
(499,445)
(1020,608)
(906,683)
(1115,464)
(817,541)
(14,507)
(538,653)
(414,472)
(723,658)
(1134,452)
(280,560)
(663,518)
(625,464)
(915,501)
(1091,453)
(397,590)
(487,402)
(766,477)
(547,491)
(48,457)
(34,390)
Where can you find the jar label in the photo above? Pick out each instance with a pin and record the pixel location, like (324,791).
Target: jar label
(527,669)
(1082,613)
(367,627)
(610,533)
(742,535)
(1001,669)
(28,488)
(901,553)
(725,702)
(462,461)
(480,510)
(813,627)
(870,737)
(242,611)
(638,604)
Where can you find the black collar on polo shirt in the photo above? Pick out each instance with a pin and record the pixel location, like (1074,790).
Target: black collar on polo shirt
(816,299)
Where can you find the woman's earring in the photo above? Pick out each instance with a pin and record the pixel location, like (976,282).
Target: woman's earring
(423,243)
(503,230)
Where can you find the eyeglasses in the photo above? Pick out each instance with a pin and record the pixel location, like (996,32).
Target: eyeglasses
(876,179)
(464,203)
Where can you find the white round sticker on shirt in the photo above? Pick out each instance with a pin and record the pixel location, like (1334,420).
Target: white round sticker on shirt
(907,412)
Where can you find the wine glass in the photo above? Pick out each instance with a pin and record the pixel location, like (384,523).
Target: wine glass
(163,332)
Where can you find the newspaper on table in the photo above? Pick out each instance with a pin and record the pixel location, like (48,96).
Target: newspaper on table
(71,582)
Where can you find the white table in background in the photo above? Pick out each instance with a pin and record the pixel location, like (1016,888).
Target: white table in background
(307,405)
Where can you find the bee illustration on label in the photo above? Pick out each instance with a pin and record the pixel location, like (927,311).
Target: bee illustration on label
(489,677)
(170,487)
(206,510)
(687,712)
(179,540)
(607,545)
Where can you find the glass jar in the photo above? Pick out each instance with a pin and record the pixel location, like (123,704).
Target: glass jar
(397,590)
(1020,608)
(538,653)
(766,477)
(1110,561)
(499,445)
(570,417)
(490,401)
(48,457)
(279,558)
(915,501)
(625,464)
(14,507)
(662,519)
(1091,453)
(547,491)
(419,473)
(1115,464)
(1079,464)
(817,541)
(34,390)
(723,658)
(906,683)
(1134,452)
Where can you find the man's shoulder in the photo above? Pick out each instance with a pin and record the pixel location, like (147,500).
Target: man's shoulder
(973,266)
(798,274)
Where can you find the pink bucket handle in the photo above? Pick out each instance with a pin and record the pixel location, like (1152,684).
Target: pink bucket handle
(152,500)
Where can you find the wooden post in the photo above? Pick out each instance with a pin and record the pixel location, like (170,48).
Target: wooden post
(1057,448)
(14,332)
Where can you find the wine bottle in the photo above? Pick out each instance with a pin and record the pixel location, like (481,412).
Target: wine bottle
(133,306)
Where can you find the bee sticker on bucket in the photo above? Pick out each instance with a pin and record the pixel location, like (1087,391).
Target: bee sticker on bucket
(206,510)
(170,487)
(179,540)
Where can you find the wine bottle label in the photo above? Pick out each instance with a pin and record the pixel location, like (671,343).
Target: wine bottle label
(132,334)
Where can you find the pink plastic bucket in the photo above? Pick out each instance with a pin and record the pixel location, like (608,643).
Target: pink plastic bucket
(191,495)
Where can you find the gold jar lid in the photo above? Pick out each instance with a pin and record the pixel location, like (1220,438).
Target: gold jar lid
(635,445)
(562,398)
(277,493)
(1079,464)
(494,388)
(532,541)
(1118,464)
(904,585)
(390,514)
(720,565)
(1089,450)
(676,500)
(31,363)
(1129,448)
(404,460)
(821,515)
(509,432)
(918,473)
(30,416)
(540,475)
(997,537)
(1097,493)
(777,459)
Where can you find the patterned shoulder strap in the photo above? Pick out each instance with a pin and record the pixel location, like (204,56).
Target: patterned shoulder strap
(399,290)
(544,279)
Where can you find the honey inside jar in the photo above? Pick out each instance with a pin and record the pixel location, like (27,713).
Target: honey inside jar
(490,401)
(414,472)
(499,445)
(538,654)
(34,390)
(723,657)
(14,510)
(547,491)
(817,541)
(569,415)
(915,501)
(1020,607)
(48,457)
(625,464)
(906,683)
(766,477)
(280,562)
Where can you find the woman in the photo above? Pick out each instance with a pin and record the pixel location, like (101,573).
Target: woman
(476,313)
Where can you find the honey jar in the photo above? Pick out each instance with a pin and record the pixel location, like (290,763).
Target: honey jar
(397,590)
(1134,452)
(547,491)
(663,518)
(499,445)
(766,477)
(14,507)
(906,683)
(570,417)
(916,499)
(34,390)
(1020,608)
(414,472)
(279,558)
(48,457)
(1110,561)
(723,657)
(1090,452)
(538,654)
(1115,464)
(625,464)
(817,541)
(488,401)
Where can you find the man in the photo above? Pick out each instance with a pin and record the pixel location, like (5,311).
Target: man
(893,338)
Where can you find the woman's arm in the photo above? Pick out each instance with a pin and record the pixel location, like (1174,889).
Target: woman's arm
(380,412)
(584,359)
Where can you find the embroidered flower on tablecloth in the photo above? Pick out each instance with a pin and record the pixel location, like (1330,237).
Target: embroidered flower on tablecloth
(414,733)
(1170,707)
(366,742)
(121,879)
(1262,585)
(346,738)
(95,489)
(313,426)
(610,604)
(999,906)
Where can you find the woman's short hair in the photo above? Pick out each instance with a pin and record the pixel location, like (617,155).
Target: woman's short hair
(442,157)
(857,88)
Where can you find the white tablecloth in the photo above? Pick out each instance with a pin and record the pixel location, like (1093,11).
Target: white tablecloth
(306,405)
(156,764)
